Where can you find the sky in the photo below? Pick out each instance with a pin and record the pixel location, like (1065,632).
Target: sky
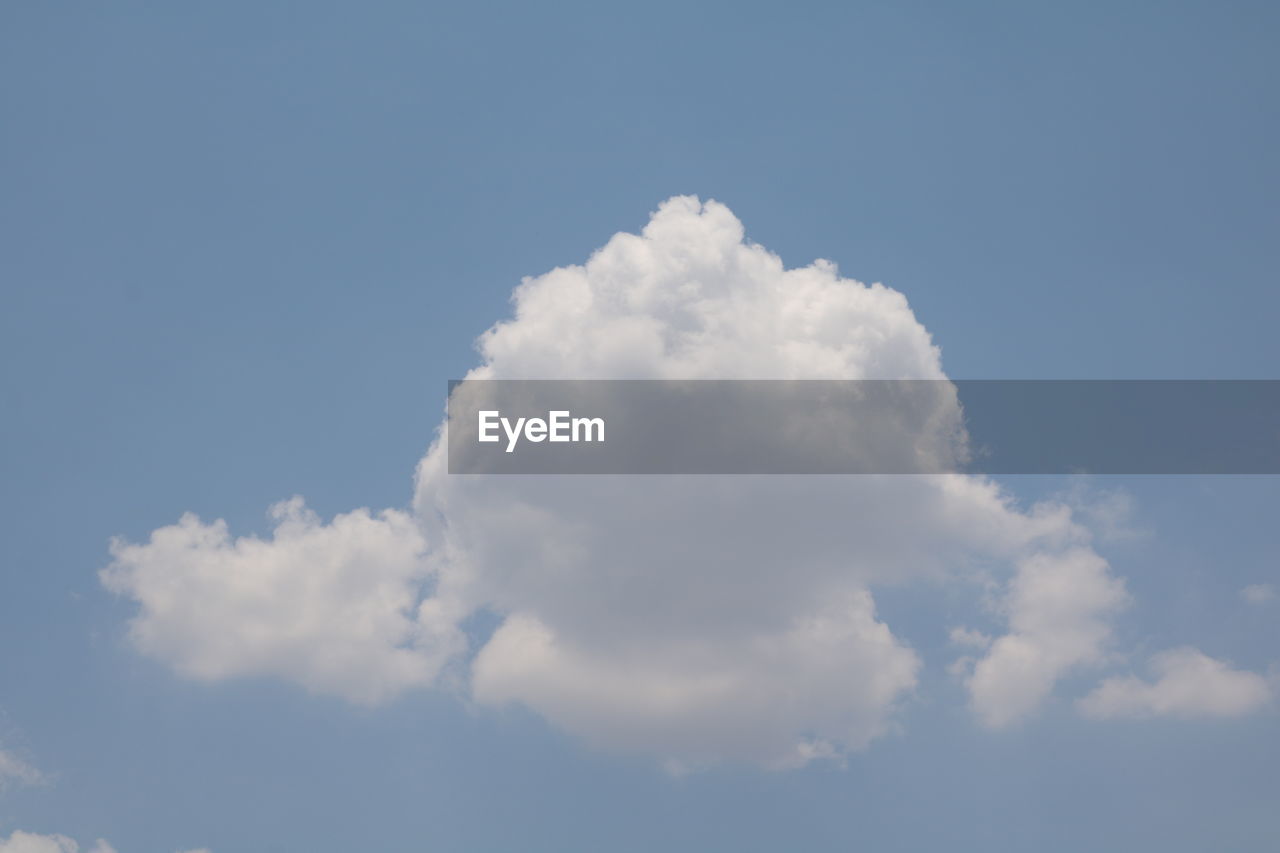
(246,246)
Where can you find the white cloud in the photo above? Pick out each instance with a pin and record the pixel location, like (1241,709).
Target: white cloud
(14,771)
(1058,608)
(30,842)
(1188,684)
(27,842)
(335,607)
(1259,593)
(694,619)
(1108,513)
(819,687)
(970,638)
(688,298)
(675,616)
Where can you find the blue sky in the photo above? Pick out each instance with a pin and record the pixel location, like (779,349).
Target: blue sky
(247,245)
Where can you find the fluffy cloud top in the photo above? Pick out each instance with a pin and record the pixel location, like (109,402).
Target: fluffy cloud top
(689,298)
(694,619)
(1188,683)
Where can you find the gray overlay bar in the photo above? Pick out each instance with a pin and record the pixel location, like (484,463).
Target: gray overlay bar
(867,426)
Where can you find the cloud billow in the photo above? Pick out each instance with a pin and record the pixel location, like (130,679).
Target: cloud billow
(694,619)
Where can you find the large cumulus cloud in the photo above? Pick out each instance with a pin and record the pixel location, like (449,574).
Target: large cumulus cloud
(694,619)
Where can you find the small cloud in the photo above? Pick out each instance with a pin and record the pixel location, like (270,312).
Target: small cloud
(1259,593)
(1107,512)
(962,667)
(16,772)
(30,842)
(1188,684)
(1060,607)
(970,638)
(332,605)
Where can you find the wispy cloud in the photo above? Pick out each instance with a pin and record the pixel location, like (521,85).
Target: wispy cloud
(16,772)
(1188,683)
(1259,593)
